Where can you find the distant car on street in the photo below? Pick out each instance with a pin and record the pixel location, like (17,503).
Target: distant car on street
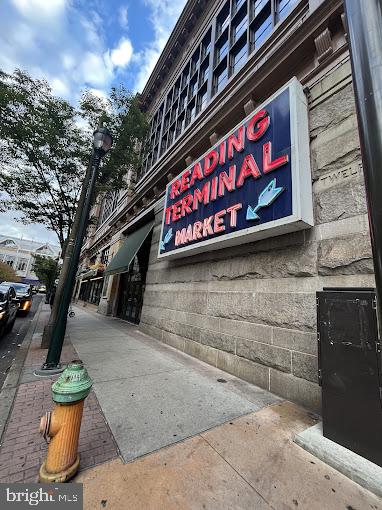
(42,289)
(8,308)
(23,296)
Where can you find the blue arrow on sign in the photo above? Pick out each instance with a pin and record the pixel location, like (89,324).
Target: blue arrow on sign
(166,239)
(266,198)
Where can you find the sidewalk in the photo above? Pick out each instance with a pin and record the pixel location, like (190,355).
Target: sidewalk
(189,436)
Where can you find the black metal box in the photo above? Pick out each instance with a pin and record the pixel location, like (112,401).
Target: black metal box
(349,361)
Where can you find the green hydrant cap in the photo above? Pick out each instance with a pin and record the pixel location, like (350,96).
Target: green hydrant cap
(73,385)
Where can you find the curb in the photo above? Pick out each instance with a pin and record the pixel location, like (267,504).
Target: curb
(8,391)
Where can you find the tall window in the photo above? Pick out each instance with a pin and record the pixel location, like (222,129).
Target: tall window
(108,206)
(105,256)
(21,264)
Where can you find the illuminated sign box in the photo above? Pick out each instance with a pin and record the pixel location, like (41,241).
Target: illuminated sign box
(252,184)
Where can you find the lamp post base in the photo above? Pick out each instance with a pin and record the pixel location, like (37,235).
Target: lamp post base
(48,370)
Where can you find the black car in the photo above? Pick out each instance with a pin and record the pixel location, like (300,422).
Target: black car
(23,295)
(8,308)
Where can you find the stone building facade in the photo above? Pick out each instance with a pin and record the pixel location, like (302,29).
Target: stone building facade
(251,309)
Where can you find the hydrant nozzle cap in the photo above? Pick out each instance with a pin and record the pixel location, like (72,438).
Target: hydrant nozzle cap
(73,385)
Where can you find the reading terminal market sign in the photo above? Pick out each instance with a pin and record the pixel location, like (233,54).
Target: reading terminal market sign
(254,183)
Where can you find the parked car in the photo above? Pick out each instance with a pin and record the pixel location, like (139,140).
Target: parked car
(23,296)
(42,289)
(8,308)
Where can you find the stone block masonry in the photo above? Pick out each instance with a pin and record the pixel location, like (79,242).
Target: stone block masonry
(251,310)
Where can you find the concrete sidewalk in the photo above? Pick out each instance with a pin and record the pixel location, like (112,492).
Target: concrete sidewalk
(151,394)
(205,438)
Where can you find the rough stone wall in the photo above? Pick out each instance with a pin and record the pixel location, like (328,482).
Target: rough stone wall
(251,310)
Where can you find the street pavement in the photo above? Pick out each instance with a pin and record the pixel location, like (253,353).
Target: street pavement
(11,342)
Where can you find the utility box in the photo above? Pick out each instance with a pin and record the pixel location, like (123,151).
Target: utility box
(349,363)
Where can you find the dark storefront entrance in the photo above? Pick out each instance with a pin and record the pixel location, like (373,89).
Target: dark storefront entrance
(131,263)
(90,290)
(132,285)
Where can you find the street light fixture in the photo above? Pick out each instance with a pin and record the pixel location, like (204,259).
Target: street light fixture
(102,140)
(102,143)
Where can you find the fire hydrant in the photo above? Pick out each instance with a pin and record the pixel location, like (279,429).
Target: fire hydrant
(61,427)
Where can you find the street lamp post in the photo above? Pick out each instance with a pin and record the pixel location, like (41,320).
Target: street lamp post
(102,142)
(364,20)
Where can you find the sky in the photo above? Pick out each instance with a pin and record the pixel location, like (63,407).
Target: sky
(78,44)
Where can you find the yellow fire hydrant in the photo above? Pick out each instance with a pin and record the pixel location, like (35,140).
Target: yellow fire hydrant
(61,427)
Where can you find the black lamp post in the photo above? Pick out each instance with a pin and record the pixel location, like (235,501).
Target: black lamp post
(364,19)
(102,142)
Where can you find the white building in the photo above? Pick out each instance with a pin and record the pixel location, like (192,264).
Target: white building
(18,253)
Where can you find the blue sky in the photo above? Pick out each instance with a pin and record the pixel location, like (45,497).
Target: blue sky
(77,44)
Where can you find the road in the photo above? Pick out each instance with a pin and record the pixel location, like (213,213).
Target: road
(10,342)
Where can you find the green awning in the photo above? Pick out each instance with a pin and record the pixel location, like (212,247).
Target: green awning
(121,260)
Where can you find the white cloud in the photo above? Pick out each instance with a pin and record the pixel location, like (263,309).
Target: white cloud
(96,69)
(40,8)
(121,55)
(164,15)
(59,87)
(123,16)
(54,39)
(32,231)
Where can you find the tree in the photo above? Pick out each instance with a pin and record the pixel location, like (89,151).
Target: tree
(7,273)
(46,270)
(123,115)
(45,149)
(44,153)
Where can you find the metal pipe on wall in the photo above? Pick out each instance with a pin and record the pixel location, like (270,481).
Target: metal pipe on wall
(364,19)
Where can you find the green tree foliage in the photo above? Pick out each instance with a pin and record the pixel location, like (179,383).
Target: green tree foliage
(122,114)
(45,145)
(7,273)
(46,270)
